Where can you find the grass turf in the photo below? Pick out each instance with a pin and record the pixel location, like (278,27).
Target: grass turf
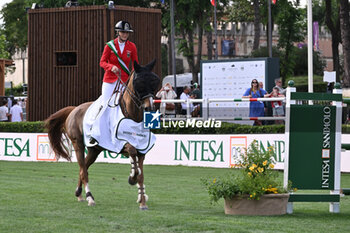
(39,197)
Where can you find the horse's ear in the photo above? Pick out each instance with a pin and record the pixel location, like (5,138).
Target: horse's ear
(137,67)
(150,66)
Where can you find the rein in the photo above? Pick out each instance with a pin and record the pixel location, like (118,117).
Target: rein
(133,95)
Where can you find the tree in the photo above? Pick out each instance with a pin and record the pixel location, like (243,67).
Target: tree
(247,11)
(257,21)
(332,21)
(191,20)
(290,22)
(345,35)
(3,52)
(15,26)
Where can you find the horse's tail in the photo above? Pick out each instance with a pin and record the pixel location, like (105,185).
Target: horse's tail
(55,128)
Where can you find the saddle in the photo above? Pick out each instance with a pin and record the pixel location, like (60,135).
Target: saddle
(109,127)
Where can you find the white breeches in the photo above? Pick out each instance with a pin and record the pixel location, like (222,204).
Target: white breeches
(107,91)
(108,88)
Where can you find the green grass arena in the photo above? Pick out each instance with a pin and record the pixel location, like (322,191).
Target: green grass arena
(39,197)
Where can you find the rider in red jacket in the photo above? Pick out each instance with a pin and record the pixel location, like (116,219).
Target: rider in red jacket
(117,69)
(115,60)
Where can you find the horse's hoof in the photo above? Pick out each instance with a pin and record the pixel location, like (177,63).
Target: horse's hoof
(132,181)
(143,207)
(91,201)
(81,199)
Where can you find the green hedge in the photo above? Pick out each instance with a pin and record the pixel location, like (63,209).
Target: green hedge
(22,127)
(226,128)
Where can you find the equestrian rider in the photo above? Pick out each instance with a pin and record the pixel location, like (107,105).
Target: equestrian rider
(116,67)
(115,60)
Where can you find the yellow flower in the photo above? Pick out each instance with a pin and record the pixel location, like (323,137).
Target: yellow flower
(251,168)
(271,165)
(251,195)
(260,169)
(249,174)
(214,181)
(265,162)
(254,165)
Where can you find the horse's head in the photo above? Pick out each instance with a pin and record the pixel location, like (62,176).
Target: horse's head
(146,84)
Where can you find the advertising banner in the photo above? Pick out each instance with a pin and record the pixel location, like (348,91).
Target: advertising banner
(175,149)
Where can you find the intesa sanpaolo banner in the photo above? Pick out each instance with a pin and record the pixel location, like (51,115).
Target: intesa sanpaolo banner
(174,149)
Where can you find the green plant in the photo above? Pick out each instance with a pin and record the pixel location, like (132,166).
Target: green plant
(254,179)
(22,127)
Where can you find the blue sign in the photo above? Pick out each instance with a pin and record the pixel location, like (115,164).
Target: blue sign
(151,120)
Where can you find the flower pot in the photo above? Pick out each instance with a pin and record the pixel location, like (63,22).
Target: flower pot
(269,204)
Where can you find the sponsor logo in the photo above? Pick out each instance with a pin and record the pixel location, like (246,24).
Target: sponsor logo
(238,145)
(199,150)
(14,147)
(151,120)
(326,144)
(44,151)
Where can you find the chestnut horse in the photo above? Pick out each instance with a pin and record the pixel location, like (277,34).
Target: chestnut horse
(137,96)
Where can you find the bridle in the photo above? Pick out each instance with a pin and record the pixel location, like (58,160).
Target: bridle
(135,98)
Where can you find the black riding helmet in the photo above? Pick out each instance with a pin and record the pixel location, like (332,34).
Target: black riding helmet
(123,26)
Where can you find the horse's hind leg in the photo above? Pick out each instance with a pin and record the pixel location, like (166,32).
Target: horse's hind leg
(83,175)
(90,159)
(142,196)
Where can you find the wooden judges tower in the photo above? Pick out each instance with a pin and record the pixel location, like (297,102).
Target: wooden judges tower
(65,46)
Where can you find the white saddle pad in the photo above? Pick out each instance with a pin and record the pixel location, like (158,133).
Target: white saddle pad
(108,126)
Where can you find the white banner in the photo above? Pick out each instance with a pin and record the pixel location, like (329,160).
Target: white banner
(175,149)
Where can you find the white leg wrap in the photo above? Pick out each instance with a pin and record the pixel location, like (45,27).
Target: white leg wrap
(90,201)
(138,198)
(132,173)
(142,190)
(87,188)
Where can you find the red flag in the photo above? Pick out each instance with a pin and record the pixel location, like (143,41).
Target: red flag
(212,2)
(274,1)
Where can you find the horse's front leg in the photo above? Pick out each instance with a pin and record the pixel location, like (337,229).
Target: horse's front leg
(135,170)
(142,196)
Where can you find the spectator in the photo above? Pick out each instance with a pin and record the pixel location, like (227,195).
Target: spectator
(184,96)
(195,109)
(256,108)
(261,85)
(4,111)
(277,106)
(278,83)
(16,112)
(167,93)
(19,101)
(196,91)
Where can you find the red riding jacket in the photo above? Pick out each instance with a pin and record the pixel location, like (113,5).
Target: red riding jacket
(109,59)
